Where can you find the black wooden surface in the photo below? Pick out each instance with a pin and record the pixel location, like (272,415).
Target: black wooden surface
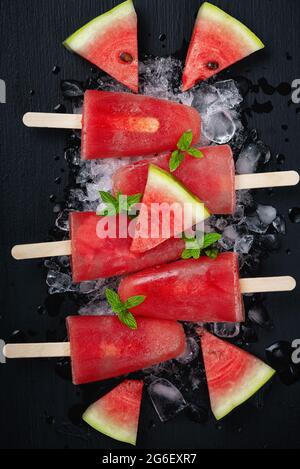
(35,401)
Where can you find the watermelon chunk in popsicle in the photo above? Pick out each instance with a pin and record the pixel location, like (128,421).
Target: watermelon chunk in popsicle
(123,124)
(211,178)
(94,258)
(102,347)
(203,290)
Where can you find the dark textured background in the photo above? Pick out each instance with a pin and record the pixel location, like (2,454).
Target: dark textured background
(37,405)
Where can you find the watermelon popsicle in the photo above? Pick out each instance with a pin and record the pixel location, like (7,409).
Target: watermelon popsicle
(101,347)
(212,178)
(203,290)
(93,257)
(124,125)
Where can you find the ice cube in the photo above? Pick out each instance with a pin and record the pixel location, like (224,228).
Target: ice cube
(226,330)
(255,225)
(229,93)
(266,213)
(166,399)
(248,160)
(191,352)
(243,244)
(62,221)
(218,127)
(206,99)
(59,282)
(229,237)
(280,225)
(258,314)
(96,308)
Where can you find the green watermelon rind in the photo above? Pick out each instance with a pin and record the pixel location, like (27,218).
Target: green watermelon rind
(169,183)
(110,429)
(211,12)
(261,374)
(82,37)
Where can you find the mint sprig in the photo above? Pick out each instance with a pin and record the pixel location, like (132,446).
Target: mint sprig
(184,146)
(194,247)
(119,204)
(123,309)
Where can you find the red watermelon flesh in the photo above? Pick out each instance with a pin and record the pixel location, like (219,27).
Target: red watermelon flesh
(110,41)
(203,290)
(94,258)
(123,124)
(211,179)
(102,347)
(218,41)
(168,209)
(117,413)
(233,375)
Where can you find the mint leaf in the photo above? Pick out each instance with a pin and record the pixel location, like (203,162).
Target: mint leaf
(114,300)
(122,309)
(185,141)
(210,238)
(211,252)
(191,254)
(194,246)
(134,199)
(134,301)
(108,198)
(128,319)
(119,204)
(176,159)
(195,153)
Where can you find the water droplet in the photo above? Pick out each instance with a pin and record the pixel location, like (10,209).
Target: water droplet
(32,92)
(162,37)
(58,180)
(284,89)
(60,109)
(294,214)
(56,70)
(284,127)
(280,159)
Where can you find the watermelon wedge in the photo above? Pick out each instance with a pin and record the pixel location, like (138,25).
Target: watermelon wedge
(211,178)
(117,414)
(218,41)
(168,209)
(233,375)
(110,41)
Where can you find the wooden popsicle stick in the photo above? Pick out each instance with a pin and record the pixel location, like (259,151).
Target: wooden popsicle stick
(261,180)
(54,350)
(53,121)
(37,251)
(267,284)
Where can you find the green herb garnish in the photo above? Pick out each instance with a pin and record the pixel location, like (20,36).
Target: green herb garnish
(119,204)
(184,146)
(194,247)
(123,309)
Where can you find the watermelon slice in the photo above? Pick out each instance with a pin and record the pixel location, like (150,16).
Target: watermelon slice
(233,375)
(218,41)
(164,198)
(211,178)
(117,414)
(110,41)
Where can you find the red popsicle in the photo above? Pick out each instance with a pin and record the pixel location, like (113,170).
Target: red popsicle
(102,347)
(122,124)
(203,290)
(211,179)
(93,257)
